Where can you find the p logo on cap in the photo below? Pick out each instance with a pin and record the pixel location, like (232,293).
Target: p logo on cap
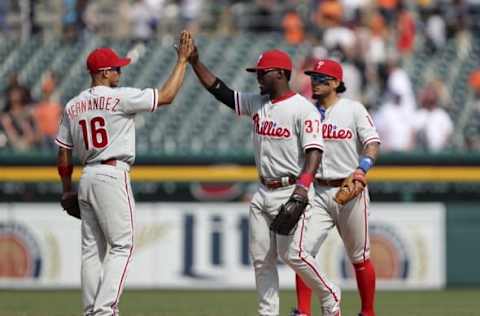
(105,58)
(274,58)
(327,67)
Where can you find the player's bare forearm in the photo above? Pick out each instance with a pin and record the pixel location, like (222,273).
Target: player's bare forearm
(169,90)
(372,150)
(313,157)
(367,160)
(205,76)
(312,161)
(210,82)
(65,168)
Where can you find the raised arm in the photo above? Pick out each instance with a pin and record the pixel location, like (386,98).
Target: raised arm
(214,85)
(167,93)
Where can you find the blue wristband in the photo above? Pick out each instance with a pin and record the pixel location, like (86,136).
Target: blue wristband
(365,163)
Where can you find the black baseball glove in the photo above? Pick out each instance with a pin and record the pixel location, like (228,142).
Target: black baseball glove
(289,214)
(70,204)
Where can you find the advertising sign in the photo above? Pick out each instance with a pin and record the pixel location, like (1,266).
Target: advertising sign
(205,245)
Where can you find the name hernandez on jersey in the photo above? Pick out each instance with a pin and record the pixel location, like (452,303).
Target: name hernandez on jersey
(93,104)
(347,129)
(283,129)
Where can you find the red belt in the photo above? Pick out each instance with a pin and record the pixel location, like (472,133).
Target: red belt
(111,162)
(275,183)
(329,183)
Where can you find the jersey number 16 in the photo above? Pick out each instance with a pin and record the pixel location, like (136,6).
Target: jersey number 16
(97,132)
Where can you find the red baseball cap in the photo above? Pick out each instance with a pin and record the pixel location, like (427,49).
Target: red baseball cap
(274,58)
(327,67)
(104,58)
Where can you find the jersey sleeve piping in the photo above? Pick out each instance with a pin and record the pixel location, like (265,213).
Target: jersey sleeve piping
(237,102)
(371,140)
(63,144)
(155,100)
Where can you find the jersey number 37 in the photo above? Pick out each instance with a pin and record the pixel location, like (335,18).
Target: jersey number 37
(312,126)
(94,132)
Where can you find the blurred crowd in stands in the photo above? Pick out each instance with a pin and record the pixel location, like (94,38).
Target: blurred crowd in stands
(26,123)
(373,39)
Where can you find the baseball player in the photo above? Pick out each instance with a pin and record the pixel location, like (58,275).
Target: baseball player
(351,147)
(99,125)
(288,148)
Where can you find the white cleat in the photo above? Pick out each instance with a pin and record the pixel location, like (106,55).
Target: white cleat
(332,311)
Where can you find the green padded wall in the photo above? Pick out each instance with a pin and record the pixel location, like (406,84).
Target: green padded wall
(463,244)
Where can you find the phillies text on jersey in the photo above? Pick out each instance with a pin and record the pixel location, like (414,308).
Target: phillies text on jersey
(282,130)
(347,129)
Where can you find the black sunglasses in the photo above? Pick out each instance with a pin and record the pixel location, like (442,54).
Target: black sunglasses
(263,72)
(321,79)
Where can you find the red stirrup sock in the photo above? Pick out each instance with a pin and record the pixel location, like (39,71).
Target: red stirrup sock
(304,296)
(366,286)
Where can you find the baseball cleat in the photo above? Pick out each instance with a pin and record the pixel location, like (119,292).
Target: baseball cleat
(334,311)
(296,312)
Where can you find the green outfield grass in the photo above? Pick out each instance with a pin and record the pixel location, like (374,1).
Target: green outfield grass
(237,303)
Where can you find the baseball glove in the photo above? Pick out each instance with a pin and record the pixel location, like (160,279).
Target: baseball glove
(349,188)
(70,204)
(289,214)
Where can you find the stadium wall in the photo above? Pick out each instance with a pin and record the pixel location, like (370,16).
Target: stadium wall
(450,180)
(205,245)
(463,244)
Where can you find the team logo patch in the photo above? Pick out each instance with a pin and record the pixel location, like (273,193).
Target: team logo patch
(259,58)
(388,252)
(20,255)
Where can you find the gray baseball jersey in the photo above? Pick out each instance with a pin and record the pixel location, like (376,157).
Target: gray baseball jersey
(282,130)
(347,128)
(99,122)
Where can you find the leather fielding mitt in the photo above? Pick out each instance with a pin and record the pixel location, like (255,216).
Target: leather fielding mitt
(349,188)
(289,214)
(70,204)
